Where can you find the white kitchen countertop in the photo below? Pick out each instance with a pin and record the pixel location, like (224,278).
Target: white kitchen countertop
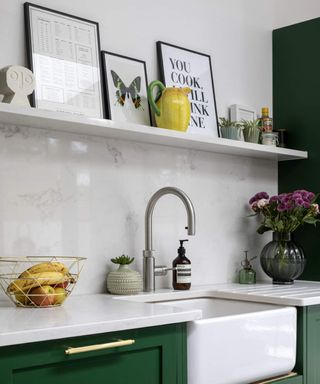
(100,313)
(299,294)
(83,315)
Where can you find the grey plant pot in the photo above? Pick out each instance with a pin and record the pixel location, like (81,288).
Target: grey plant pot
(233,133)
(251,135)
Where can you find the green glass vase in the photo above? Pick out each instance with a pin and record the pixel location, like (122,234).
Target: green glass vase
(282,259)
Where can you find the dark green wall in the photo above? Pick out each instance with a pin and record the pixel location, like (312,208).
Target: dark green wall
(296,107)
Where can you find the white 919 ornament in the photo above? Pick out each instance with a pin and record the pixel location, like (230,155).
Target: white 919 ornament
(16,84)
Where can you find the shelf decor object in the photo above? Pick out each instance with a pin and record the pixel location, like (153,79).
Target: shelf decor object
(16,84)
(282,259)
(181,67)
(171,106)
(124,281)
(242,112)
(64,55)
(126,83)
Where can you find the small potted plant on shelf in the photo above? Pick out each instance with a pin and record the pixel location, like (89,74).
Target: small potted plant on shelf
(251,130)
(230,129)
(124,281)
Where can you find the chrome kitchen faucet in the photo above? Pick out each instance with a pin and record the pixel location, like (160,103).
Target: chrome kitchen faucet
(149,268)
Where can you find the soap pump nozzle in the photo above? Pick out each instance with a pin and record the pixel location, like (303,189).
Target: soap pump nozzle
(181,249)
(246,263)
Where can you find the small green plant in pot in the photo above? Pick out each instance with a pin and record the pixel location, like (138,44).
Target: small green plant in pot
(124,281)
(251,130)
(230,129)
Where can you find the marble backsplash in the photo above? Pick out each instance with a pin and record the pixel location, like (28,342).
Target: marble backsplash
(66,194)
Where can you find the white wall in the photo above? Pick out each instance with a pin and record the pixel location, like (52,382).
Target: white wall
(287,12)
(70,194)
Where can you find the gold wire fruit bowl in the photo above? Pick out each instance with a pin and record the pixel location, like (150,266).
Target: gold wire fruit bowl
(39,281)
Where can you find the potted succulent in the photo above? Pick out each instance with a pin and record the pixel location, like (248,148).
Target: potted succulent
(230,129)
(251,130)
(124,281)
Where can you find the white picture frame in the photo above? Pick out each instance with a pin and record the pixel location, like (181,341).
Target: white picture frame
(242,112)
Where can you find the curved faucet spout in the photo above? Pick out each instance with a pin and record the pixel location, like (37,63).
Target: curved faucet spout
(153,201)
(148,253)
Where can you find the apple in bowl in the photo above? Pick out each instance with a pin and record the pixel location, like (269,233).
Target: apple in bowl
(43,296)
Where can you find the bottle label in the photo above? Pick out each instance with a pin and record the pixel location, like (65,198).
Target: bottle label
(183,273)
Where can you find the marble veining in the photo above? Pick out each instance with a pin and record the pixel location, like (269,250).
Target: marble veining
(70,194)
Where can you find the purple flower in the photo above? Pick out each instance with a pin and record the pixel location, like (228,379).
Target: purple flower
(259,196)
(290,209)
(299,202)
(283,197)
(296,195)
(310,196)
(281,207)
(274,199)
(289,205)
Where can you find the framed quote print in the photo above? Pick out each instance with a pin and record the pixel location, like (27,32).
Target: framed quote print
(181,67)
(64,55)
(126,88)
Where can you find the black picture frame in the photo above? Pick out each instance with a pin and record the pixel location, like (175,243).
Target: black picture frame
(202,97)
(137,112)
(84,94)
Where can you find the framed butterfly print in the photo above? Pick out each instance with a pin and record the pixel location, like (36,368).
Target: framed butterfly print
(126,89)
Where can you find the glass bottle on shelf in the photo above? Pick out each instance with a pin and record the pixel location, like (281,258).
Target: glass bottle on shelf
(266,120)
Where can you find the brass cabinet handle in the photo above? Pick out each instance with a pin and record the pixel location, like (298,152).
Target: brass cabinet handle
(97,347)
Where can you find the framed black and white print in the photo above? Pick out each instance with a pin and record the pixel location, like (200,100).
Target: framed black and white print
(126,89)
(181,67)
(64,55)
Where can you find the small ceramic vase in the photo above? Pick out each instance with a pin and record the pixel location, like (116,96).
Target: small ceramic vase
(124,281)
(251,135)
(232,132)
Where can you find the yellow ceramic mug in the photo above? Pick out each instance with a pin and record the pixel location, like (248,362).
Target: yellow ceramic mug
(172,108)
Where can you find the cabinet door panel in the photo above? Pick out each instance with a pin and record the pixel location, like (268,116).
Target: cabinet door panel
(158,356)
(140,366)
(313,345)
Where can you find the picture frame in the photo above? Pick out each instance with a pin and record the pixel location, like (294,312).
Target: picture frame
(64,55)
(242,112)
(126,84)
(182,67)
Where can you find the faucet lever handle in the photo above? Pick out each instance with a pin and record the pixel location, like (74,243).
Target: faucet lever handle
(161,270)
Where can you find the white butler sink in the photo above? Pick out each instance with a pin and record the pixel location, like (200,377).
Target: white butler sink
(238,342)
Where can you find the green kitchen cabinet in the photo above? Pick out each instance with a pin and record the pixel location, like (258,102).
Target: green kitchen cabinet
(308,344)
(312,348)
(158,356)
(296,107)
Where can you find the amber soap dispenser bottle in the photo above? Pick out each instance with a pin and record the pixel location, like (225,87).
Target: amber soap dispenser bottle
(181,276)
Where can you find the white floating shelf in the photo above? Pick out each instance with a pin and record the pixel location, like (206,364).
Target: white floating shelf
(59,121)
